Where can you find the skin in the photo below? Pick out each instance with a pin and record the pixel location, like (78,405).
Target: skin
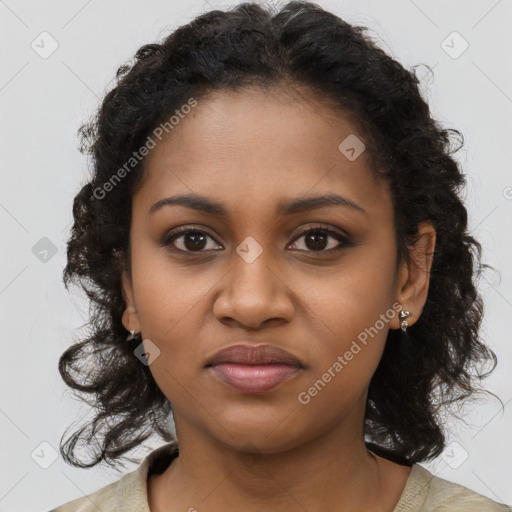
(250,149)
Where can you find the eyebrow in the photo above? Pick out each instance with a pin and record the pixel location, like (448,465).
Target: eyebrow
(287,207)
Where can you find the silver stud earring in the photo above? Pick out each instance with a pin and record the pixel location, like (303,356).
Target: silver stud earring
(403,315)
(133,334)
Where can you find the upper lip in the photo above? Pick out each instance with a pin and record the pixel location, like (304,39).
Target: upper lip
(253,354)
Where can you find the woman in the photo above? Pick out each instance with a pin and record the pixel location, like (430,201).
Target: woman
(274,218)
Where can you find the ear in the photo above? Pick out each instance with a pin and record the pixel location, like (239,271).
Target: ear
(130,317)
(414,278)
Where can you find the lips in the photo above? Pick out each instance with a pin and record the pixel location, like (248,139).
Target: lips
(254,369)
(254,355)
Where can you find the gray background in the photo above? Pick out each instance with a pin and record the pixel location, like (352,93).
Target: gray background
(43,102)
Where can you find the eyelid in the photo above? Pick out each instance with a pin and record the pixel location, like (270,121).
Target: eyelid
(320,227)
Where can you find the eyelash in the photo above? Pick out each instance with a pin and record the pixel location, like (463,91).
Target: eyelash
(182,231)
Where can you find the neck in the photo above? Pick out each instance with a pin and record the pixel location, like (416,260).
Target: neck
(334,471)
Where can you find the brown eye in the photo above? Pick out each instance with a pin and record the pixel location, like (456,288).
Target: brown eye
(317,240)
(193,240)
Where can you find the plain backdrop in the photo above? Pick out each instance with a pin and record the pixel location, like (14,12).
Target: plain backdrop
(45,98)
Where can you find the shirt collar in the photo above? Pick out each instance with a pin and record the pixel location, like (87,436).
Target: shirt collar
(131,491)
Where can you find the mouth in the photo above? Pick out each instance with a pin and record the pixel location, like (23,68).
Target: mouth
(254,378)
(254,369)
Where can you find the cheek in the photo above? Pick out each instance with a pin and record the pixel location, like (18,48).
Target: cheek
(166,293)
(170,306)
(351,310)
(353,298)
(353,335)
(170,302)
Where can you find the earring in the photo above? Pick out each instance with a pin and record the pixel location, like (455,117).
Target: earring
(133,334)
(403,315)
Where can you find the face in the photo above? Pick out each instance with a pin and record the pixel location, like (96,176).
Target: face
(252,274)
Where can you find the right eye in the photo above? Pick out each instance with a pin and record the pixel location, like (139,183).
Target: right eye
(190,240)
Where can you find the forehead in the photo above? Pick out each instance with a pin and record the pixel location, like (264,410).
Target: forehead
(261,145)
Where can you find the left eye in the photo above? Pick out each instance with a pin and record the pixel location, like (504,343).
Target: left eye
(195,240)
(317,237)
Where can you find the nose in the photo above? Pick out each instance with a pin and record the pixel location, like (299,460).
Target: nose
(253,293)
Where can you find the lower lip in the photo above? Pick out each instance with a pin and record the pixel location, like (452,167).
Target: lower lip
(254,378)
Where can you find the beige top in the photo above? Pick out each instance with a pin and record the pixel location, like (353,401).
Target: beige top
(423,491)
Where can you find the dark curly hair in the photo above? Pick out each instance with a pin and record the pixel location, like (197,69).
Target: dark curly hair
(437,365)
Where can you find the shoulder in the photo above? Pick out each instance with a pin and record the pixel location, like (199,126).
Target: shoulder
(129,492)
(426,492)
(445,495)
